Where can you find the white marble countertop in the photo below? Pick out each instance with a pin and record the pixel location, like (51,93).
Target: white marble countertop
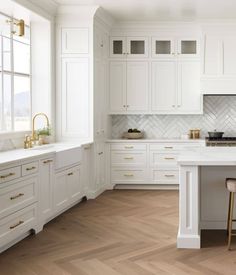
(13,156)
(164,140)
(209,156)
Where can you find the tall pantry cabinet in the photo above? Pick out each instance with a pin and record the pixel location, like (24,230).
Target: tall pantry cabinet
(82,79)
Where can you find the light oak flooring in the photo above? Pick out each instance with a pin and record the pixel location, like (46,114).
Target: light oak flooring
(121,232)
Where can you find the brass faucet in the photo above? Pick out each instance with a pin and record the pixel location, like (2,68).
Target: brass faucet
(34,138)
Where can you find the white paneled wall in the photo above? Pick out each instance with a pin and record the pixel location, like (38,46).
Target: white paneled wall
(219,113)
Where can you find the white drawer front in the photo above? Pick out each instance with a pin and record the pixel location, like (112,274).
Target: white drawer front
(129,146)
(10,174)
(121,158)
(165,176)
(18,223)
(30,168)
(160,159)
(129,176)
(17,196)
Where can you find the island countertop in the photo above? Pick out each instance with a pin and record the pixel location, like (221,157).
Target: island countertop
(211,156)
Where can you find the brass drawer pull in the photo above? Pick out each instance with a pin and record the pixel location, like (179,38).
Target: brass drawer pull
(30,168)
(47,161)
(168,147)
(128,175)
(129,146)
(16,196)
(128,158)
(169,176)
(15,225)
(169,158)
(70,174)
(6,176)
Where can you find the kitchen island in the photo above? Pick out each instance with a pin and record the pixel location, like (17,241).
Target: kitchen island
(203,202)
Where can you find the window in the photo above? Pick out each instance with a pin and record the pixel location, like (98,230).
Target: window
(15,92)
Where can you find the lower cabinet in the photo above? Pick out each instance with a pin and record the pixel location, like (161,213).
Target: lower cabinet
(46,189)
(147,163)
(100,165)
(67,188)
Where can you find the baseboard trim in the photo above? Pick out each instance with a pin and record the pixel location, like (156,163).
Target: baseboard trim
(147,186)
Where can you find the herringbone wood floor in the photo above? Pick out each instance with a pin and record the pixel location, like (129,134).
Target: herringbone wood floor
(121,232)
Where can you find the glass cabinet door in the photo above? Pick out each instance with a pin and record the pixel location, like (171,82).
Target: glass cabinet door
(137,47)
(117,47)
(188,47)
(162,47)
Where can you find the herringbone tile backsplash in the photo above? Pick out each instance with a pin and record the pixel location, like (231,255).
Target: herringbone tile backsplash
(219,113)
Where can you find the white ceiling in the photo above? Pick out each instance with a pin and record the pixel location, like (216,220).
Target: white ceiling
(163,10)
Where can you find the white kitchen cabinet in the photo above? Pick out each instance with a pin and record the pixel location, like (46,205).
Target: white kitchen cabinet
(100,168)
(175,47)
(117,86)
(67,188)
(129,89)
(100,97)
(219,68)
(46,189)
(163,86)
(137,86)
(60,192)
(189,98)
(75,40)
(129,47)
(74,97)
(176,87)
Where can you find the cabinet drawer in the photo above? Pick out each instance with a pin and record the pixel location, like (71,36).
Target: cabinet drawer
(165,176)
(121,158)
(128,146)
(18,195)
(159,158)
(18,223)
(129,176)
(30,168)
(10,174)
(166,147)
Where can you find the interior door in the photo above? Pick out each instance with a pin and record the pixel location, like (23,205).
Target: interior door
(189,94)
(117,86)
(137,86)
(164,86)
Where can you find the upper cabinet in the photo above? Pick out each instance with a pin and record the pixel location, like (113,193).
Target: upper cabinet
(129,47)
(129,87)
(172,47)
(219,63)
(74,41)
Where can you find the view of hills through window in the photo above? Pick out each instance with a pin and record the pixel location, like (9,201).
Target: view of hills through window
(15,95)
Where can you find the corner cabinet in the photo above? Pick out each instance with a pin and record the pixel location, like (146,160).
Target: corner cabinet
(176,87)
(129,47)
(129,89)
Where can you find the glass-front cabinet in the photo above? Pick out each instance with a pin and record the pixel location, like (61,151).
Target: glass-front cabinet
(174,47)
(129,47)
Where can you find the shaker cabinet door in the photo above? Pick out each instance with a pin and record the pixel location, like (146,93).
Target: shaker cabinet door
(137,86)
(118,86)
(163,86)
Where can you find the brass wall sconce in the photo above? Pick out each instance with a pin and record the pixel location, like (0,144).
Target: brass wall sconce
(20,25)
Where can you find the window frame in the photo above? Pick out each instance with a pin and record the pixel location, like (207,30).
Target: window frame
(13,73)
